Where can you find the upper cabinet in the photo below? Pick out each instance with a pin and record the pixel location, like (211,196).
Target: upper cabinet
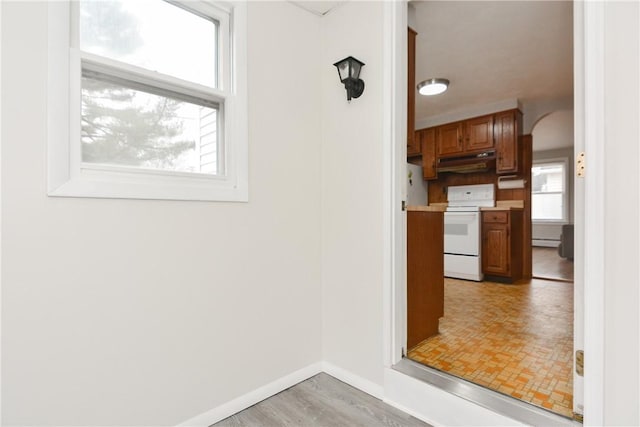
(449,139)
(427,138)
(478,134)
(499,131)
(413,143)
(464,137)
(507,130)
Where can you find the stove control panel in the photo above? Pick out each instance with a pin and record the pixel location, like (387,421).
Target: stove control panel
(483,195)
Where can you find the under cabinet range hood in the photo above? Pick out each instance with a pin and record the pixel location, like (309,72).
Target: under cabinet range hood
(467,164)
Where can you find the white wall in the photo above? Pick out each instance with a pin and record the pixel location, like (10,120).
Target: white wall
(352,208)
(148,313)
(126,312)
(621,207)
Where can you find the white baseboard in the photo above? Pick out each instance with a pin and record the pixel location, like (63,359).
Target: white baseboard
(353,380)
(243,402)
(545,243)
(412,396)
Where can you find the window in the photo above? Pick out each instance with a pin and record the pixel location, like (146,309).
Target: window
(548,187)
(153,103)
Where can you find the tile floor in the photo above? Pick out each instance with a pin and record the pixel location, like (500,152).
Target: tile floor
(515,339)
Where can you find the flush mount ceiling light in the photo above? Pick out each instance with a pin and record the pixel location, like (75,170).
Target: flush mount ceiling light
(433,86)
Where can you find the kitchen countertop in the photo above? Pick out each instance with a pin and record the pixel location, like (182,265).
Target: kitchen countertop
(503,208)
(501,205)
(429,208)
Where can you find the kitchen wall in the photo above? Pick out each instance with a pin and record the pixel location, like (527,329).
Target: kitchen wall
(131,312)
(550,233)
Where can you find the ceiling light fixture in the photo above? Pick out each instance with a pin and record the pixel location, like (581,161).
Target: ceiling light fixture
(433,86)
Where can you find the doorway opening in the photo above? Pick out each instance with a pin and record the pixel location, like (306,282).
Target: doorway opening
(552,198)
(517,338)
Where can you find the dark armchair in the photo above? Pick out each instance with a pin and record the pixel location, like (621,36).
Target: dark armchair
(565,250)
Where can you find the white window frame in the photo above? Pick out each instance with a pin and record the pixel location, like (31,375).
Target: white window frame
(68,176)
(565,193)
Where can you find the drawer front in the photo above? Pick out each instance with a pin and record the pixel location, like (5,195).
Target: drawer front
(501,217)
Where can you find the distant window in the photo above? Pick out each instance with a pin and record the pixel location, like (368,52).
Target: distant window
(157,99)
(548,188)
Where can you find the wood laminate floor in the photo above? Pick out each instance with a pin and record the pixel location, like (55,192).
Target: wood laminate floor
(321,401)
(547,264)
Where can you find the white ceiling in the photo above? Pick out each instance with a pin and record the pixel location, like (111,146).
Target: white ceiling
(492,51)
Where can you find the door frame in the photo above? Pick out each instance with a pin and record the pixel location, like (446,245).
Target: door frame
(589,33)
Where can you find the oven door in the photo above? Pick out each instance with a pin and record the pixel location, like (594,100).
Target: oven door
(462,233)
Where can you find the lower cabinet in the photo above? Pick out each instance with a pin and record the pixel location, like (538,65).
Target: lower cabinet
(502,244)
(425,275)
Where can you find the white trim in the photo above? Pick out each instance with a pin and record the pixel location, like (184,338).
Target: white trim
(68,177)
(1,204)
(251,398)
(387,183)
(435,406)
(135,74)
(433,399)
(578,201)
(394,129)
(545,243)
(354,380)
(594,278)
(58,113)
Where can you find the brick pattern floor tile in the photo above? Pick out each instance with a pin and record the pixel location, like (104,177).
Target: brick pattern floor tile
(514,339)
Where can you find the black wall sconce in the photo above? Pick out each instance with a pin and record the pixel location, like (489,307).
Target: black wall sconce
(349,72)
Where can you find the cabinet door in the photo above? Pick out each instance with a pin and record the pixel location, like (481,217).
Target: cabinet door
(506,142)
(413,144)
(449,139)
(495,249)
(427,139)
(478,134)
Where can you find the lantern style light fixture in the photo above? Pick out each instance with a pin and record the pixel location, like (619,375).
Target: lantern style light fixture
(349,72)
(433,86)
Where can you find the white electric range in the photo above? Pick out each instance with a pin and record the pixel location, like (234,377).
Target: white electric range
(462,244)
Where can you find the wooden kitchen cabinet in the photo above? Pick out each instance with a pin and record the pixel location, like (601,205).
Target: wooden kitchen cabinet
(427,139)
(478,134)
(506,131)
(425,274)
(468,136)
(502,244)
(449,139)
(413,143)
